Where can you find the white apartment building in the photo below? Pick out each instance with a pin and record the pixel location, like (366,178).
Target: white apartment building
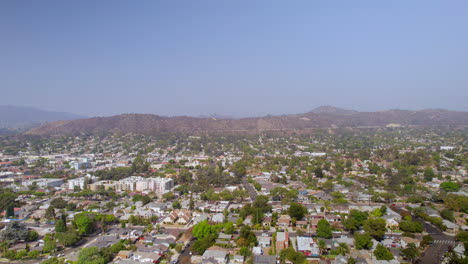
(140,184)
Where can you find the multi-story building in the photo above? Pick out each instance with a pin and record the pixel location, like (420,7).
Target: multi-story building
(44,183)
(140,184)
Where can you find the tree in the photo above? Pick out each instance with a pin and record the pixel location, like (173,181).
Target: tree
(33,254)
(84,223)
(457,203)
(32,235)
(168,196)
(297,211)
(248,235)
(71,207)
(463,236)
(145,199)
(376,227)
(322,246)
(53,260)
(239,169)
(239,221)
(382,253)
(229,228)
(90,255)
(262,202)
(10,254)
(176,205)
(68,239)
(351,224)
(50,213)
(318,172)
(203,229)
(118,247)
(7,199)
(10,211)
(447,214)
(363,241)
(60,226)
(14,232)
(291,255)
(355,220)
(428,174)
(411,226)
(200,245)
(245,251)
(450,186)
(59,203)
(323,229)
(427,239)
(342,249)
(49,244)
(410,252)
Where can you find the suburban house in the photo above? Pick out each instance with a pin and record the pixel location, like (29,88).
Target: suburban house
(178,216)
(284,221)
(407,240)
(282,240)
(451,227)
(306,246)
(264,240)
(215,256)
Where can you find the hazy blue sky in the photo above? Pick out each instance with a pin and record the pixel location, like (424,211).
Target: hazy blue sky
(233,57)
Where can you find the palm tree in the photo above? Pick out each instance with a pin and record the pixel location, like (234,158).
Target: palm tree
(342,249)
(322,246)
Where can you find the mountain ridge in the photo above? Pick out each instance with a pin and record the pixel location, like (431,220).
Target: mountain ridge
(324,118)
(23,117)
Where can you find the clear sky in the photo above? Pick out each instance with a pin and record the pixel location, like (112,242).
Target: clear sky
(237,58)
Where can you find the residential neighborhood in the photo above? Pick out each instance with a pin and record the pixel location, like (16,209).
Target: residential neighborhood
(381,197)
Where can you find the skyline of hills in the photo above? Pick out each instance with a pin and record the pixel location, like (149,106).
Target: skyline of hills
(321,117)
(20,118)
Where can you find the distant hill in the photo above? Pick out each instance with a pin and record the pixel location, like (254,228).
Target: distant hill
(331,110)
(14,118)
(324,117)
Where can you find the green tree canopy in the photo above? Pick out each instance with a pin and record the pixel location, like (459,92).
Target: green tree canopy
(410,252)
(324,229)
(90,255)
(85,223)
(297,211)
(60,226)
(428,174)
(382,253)
(14,232)
(411,226)
(376,227)
(450,186)
(363,241)
(59,203)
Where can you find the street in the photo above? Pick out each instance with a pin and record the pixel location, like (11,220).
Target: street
(184,256)
(252,192)
(441,244)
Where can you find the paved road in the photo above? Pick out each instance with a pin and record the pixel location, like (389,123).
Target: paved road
(441,244)
(184,256)
(252,192)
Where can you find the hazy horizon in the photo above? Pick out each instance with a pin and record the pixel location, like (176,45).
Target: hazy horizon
(237,59)
(214,114)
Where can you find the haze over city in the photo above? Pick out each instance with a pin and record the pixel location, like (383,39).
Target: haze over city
(234,132)
(233,58)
